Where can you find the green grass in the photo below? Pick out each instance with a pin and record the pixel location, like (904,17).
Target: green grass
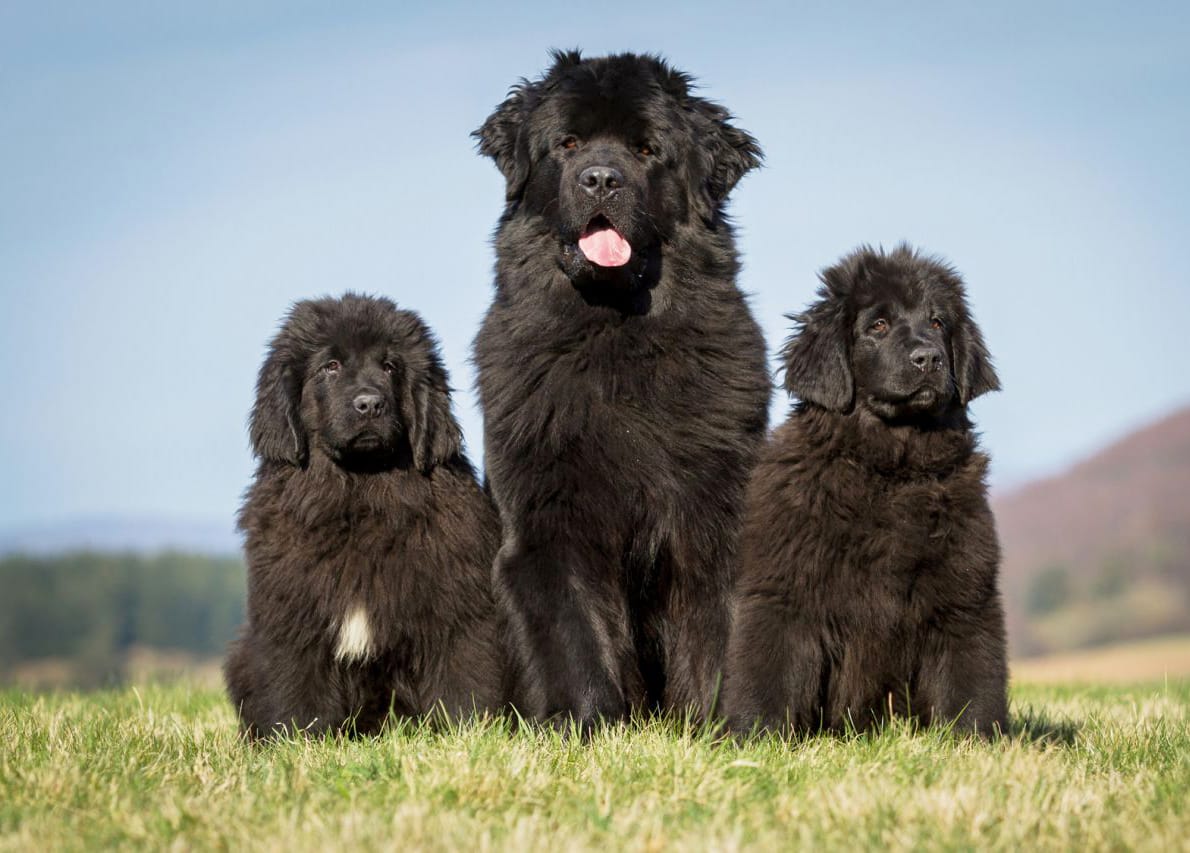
(1094,767)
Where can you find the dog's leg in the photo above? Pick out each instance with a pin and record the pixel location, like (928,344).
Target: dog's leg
(777,676)
(278,693)
(963,674)
(698,619)
(470,677)
(695,651)
(568,640)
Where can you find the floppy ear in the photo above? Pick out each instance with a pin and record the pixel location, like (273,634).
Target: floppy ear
(973,371)
(727,154)
(275,426)
(500,139)
(434,434)
(818,358)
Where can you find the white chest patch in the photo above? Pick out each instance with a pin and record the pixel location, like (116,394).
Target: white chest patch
(355,637)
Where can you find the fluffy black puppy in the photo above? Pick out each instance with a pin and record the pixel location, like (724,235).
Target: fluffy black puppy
(868,579)
(369,542)
(623,385)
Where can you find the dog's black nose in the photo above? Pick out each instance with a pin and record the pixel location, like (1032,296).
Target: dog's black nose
(368,405)
(926,359)
(600,181)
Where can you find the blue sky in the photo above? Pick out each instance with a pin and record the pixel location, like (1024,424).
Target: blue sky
(173,176)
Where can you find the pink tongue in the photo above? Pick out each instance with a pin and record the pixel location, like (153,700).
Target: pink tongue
(605,247)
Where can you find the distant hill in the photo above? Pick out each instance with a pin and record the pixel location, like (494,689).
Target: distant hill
(114,533)
(1101,552)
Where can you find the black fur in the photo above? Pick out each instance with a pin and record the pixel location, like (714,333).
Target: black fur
(362,499)
(623,406)
(869,561)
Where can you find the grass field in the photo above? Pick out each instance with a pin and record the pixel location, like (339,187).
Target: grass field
(1105,767)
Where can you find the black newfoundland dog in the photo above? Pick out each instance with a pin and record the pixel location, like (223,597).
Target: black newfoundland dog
(623,384)
(369,541)
(868,579)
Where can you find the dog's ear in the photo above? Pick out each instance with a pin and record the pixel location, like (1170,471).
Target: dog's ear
(973,371)
(501,138)
(725,154)
(817,355)
(275,426)
(434,434)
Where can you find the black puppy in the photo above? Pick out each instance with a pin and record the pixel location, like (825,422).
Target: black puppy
(369,542)
(623,385)
(868,579)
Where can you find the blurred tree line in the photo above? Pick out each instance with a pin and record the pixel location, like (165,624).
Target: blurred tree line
(90,609)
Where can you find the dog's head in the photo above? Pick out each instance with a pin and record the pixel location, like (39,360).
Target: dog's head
(891,333)
(358,380)
(613,153)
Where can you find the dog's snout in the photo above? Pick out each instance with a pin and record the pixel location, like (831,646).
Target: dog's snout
(926,359)
(600,181)
(368,404)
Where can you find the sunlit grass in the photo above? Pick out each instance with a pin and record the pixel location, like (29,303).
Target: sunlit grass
(161,766)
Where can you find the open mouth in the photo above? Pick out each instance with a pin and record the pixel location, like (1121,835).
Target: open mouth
(603,245)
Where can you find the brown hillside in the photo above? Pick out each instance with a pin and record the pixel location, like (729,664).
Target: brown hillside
(1102,552)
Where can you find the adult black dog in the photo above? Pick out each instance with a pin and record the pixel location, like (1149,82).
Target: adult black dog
(623,384)
(369,541)
(868,578)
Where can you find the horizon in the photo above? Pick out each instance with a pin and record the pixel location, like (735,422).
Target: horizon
(175,179)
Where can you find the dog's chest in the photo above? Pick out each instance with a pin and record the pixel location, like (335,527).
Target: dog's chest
(366,596)
(354,641)
(911,534)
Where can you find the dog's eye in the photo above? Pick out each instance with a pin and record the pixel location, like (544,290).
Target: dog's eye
(389,367)
(880,326)
(645,149)
(569,143)
(331,366)
(937,324)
